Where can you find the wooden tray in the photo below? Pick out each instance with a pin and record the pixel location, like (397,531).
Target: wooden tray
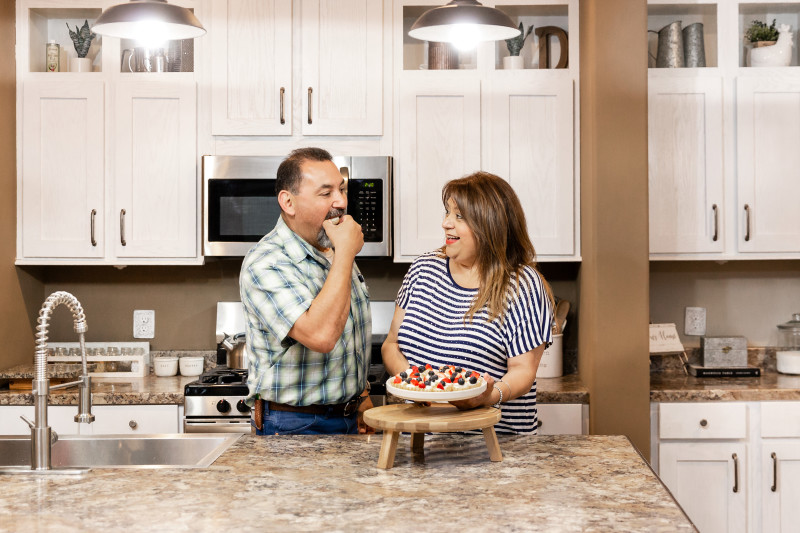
(418,420)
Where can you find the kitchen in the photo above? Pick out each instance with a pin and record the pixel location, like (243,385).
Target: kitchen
(614,284)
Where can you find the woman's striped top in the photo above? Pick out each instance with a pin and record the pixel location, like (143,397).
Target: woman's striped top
(435,332)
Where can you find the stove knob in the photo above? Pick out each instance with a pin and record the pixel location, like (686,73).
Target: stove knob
(242,407)
(223,406)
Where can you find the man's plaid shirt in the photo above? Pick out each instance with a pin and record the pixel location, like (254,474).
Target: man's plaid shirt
(280,277)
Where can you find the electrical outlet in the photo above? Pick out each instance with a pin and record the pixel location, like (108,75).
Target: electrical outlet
(695,323)
(144,324)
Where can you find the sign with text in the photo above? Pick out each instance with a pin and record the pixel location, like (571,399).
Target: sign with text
(664,339)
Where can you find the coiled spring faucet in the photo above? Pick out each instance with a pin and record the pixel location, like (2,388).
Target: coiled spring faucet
(42,437)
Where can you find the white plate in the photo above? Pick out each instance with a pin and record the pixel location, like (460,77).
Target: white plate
(425,396)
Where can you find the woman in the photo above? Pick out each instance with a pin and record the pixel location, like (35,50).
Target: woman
(478,302)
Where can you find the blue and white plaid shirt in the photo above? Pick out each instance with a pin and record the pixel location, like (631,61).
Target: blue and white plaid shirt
(280,277)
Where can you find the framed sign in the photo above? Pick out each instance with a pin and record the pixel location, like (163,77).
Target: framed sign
(664,339)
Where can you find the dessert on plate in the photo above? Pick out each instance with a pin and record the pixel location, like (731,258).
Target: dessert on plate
(448,378)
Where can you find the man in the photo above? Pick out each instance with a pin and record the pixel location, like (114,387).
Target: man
(307,314)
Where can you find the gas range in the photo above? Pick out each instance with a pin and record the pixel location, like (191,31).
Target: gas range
(215,403)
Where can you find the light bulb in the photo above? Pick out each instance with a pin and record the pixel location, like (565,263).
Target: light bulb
(463,36)
(152,33)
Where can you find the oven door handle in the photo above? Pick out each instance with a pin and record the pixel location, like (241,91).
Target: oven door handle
(238,426)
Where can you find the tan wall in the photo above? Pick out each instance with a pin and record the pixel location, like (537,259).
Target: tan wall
(613,337)
(17,287)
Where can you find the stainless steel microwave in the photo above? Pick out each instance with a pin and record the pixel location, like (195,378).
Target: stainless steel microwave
(240,204)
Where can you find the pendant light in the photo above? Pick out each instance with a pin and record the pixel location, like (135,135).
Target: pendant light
(463,21)
(148,20)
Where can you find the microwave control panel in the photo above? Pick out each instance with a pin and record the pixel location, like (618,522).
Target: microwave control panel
(365,205)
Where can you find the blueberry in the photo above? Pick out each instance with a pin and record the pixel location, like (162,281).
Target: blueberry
(459,369)
(403,375)
(473,380)
(461,381)
(431,372)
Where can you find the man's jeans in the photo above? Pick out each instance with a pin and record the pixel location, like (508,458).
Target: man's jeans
(288,423)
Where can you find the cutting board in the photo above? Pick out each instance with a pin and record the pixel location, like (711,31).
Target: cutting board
(437,418)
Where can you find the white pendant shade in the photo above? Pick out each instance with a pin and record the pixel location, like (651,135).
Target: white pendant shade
(463,20)
(148,20)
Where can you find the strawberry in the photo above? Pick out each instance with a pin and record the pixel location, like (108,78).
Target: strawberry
(397,379)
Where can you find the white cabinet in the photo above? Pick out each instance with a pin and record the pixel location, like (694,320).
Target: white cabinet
(685,160)
(768,126)
(563,418)
(108,159)
(732,466)
(340,51)
(518,124)
(61,418)
(133,419)
(722,155)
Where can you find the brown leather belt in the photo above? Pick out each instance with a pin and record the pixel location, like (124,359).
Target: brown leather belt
(339,409)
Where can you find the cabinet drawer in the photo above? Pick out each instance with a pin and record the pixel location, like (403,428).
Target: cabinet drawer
(139,419)
(703,421)
(780,419)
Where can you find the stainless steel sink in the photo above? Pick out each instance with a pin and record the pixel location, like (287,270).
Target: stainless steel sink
(184,450)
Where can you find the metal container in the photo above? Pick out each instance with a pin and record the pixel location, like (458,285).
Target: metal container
(724,351)
(442,56)
(694,51)
(670,46)
(237,352)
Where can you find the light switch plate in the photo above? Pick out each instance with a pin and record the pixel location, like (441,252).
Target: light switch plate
(695,321)
(144,324)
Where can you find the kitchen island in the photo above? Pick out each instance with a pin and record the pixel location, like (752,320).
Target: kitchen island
(331,483)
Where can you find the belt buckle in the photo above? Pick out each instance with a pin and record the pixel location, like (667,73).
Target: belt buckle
(354,403)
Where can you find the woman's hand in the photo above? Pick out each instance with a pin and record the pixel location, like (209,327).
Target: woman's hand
(485,398)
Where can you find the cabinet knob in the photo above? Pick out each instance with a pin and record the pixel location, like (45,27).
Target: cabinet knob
(133,424)
(538,423)
(703,423)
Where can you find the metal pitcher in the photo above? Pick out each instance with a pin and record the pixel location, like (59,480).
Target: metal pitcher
(694,50)
(141,59)
(670,46)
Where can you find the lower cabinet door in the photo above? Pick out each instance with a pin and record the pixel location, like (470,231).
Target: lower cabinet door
(135,419)
(780,487)
(561,419)
(709,480)
(60,418)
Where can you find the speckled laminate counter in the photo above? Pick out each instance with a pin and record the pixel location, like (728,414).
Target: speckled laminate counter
(678,387)
(169,390)
(331,483)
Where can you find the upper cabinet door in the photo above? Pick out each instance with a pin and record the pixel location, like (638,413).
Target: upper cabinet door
(686,174)
(252,67)
(342,50)
(155,180)
(768,128)
(62,164)
(440,140)
(529,133)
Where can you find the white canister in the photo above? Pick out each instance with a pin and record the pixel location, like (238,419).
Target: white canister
(552,363)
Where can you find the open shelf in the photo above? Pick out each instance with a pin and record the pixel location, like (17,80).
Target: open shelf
(48,24)
(178,55)
(415,52)
(781,13)
(537,16)
(661,15)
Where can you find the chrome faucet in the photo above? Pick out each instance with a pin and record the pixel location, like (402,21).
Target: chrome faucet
(42,437)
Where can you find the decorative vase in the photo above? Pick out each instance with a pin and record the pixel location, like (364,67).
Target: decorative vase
(513,62)
(778,54)
(80,64)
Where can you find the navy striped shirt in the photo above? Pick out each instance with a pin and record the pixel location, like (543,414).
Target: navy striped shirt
(434,331)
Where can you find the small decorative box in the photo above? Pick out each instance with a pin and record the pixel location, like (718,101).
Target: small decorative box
(724,351)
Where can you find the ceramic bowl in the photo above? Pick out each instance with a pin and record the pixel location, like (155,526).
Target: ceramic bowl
(191,366)
(165,366)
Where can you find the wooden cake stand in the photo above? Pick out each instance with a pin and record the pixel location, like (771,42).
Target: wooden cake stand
(437,418)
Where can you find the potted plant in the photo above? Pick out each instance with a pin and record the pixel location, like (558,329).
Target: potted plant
(514,45)
(82,39)
(768,46)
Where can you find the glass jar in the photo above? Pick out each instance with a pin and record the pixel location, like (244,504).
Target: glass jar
(788,353)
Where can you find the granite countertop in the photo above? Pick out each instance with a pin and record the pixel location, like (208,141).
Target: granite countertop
(169,390)
(678,387)
(331,483)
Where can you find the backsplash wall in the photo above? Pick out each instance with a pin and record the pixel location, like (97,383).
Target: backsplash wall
(746,298)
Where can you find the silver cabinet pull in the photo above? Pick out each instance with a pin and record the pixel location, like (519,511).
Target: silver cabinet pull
(716,221)
(91,226)
(309,104)
(133,424)
(774,487)
(747,221)
(122,228)
(283,92)
(735,472)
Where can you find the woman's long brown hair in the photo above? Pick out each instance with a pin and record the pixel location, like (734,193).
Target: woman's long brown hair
(493,212)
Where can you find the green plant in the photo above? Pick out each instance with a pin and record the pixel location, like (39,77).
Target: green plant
(759,31)
(81,38)
(515,43)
